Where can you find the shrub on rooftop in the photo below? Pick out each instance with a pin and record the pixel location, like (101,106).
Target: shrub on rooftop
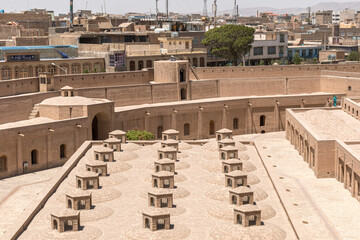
(136,135)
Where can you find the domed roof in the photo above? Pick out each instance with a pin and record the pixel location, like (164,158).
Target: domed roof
(68,101)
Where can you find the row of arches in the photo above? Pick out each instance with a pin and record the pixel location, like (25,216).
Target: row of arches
(35,154)
(139,65)
(25,71)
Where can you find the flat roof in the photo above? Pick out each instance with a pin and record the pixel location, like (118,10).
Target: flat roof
(36,47)
(331,124)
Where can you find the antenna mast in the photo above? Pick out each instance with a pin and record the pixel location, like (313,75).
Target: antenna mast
(205,13)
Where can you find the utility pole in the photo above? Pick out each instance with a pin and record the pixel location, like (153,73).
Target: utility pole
(234,9)
(205,13)
(214,11)
(105,7)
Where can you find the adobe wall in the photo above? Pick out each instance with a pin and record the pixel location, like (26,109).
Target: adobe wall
(271,71)
(346,82)
(18,148)
(199,113)
(101,79)
(17,108)
(19,86)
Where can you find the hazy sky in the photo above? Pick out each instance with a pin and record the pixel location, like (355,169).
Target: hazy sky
(123,6)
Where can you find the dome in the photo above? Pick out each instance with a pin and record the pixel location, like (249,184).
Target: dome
(68,101)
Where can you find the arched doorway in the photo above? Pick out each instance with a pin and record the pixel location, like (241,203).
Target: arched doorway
(55,224)
(100,126)
(147,223)
(141,65)
(229,182)
(183,94)
(152,203)
(132,66)
(211,127)
(234,200)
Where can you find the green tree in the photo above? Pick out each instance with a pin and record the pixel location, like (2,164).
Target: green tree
(353,56)
(261,63)
(232,42)
(136,135)
(297,59)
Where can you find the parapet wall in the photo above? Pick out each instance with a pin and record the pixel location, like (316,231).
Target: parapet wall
(19,86)
(344,82)
(271,71)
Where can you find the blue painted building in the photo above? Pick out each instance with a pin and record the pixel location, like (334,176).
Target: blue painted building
(305,51)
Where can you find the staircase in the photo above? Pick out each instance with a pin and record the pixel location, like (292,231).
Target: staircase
(34,112)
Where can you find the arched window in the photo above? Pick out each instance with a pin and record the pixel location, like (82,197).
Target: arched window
(5,73)
(262,120)
(182,75)
(212,127)
(252,220)
(147,223)
(234,200)
(195,62)
(69,204)
(239,219)
(186,129)
(30,71)
(132,65)
(226,169)
(183,94)
(79,183)
(235,123)
(246,200)
(75,68)
(164,202)
(140,65)
(239,182)
(55,224)
(160,224)
(166,183)
(152,203)
(202,62)
(229,182)
(64,69)
(157,169)
(160,129)
(149,64)
(51,69)
(34,157)
(39,69)
(3,163)
(223,156)
(155,183)
(97,67)
(62,151)
(87,68)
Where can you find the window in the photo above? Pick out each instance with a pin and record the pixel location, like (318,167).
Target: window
(149,64)
(187,45)
(272,50)
(229,182)
(3,163)
(262,120)
(62,151)
(160,224)
(75,68)
(64,69)
(282,38)
(132,65)
(112,60)
(182,75)
(258,51)
(195,62)
(160,129)
(164,202)
(34,157)
(234,200)
(186,129)
(202,62)
(235,123)
(147,223)
(97,67)
(51,69)
(281,50)
(212,127)
(140,65)
(87,68)
(5,73)
(129,38)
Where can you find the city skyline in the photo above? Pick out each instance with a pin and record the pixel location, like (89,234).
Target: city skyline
(146,6)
